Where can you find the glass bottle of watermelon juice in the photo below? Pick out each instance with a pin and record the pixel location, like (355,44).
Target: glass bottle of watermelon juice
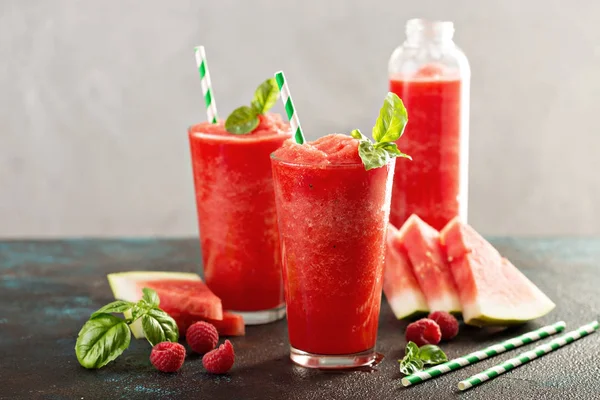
(333,215)
(237,218)
(431,75)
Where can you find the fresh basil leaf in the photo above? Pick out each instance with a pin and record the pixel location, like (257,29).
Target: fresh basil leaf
(101,340)
(265,96)
(357,134)
(412,350)
(137,312)
(242,120)
(432,354)
(372,157)
(119,306)
(409,366)
(392,149)
(391,121)
(151,297)
(159,327)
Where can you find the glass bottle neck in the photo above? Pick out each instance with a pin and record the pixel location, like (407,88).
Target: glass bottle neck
(420,31)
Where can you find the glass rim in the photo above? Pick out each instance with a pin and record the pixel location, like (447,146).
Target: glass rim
(238,138)
(324,166)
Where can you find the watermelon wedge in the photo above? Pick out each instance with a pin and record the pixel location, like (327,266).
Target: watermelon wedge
(492,290)
(400,285)
(421,243)
(182,295)
(191,297)
(231,324)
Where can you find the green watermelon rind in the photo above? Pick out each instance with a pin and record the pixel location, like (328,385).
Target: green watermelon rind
(473,315)
(410,314)
(118,278)
(483,321)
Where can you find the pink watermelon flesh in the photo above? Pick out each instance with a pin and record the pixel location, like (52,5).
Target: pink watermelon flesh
(400,285)
(231,324)
(422,244)
(492,291)
(185,297)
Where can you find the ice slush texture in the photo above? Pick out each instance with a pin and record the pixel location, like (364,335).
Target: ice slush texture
(333,217)
(236,212)
(328,150)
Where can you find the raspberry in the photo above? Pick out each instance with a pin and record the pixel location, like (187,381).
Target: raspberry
(167,356)
(448,324)
(219,361)
(424,331)
(202,337)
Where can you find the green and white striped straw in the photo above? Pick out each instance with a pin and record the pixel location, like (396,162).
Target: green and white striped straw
(207,91)
(289,107)
(528,356)
(479,355)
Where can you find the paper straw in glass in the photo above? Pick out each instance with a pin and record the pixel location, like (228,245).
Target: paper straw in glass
(289,108)
(207,91)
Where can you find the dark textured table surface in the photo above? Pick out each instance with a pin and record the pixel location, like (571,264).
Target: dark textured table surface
(49,288)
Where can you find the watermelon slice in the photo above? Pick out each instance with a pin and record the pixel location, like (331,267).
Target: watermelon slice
(400,285)
(191,297)
(422,244)
(492,290)
(231,324)
(182,295)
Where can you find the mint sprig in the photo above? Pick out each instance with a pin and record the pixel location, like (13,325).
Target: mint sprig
(104,336)
(416,358)
(388,128)
(244,119)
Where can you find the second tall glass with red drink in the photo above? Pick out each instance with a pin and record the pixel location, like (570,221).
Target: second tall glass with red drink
(237,217)
(333,216)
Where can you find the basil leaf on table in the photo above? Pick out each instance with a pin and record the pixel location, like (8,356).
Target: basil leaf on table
(150,297)
(412,350)
(102,339)
(409,366)
(416,358)
(119,306)
(431,354)
(159,327)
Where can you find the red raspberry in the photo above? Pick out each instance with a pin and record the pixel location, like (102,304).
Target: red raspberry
(167,356)
(219,361)
(202,337)
(448,324)
(424,331)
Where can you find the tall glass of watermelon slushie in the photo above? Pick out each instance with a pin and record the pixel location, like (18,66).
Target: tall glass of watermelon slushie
(237,216)
(333,217)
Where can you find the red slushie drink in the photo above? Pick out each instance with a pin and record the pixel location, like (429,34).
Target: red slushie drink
(237,218)
(431,75)
(333,217)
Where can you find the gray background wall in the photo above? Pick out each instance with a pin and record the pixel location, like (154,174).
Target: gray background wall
(96,96)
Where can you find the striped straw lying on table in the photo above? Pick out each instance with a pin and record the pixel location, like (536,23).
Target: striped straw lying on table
(528,356)
(479,355)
